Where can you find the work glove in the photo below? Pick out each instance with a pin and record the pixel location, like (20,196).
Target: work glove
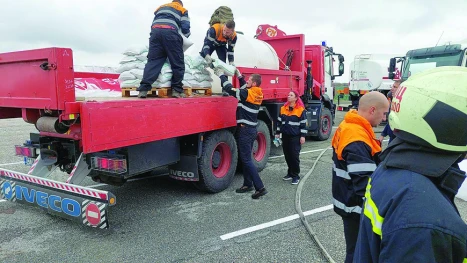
(208,59)
(218,72)
(238,73)
(231,63)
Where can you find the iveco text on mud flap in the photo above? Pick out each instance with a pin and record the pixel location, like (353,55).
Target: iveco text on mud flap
(80,204)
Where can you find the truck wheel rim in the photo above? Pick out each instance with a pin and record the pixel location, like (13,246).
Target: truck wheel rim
(259,147)
(221,159)
(326,122)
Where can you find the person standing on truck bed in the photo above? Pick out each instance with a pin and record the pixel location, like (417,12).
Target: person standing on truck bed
(355,157)
(409,213)
(166,42)
(218,37)
(291,123)
(250,98)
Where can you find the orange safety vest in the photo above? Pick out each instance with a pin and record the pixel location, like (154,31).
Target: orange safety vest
(352,129)
(174,5)
(219,36)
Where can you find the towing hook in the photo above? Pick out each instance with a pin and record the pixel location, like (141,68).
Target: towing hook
(47,66)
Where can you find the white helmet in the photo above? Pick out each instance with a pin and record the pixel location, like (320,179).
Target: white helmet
(432,105)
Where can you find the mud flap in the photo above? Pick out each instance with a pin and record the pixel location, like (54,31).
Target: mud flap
(186,169)
(82,205)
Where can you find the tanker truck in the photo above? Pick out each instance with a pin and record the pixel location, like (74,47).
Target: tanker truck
(111,140)
(418,60)
(368,73)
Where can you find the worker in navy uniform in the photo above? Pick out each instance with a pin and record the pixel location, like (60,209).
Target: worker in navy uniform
(249,97)
(409,211)
(166,42)
(387,131)
(292,123)
(222,39)
(355,157)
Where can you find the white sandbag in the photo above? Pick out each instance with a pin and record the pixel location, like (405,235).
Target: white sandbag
(140,65)
(138,73)
(159,84)
(132,52)
(142,57)
(164,77)
(166,69)
(126,75)
(130,83)
(188,76)
(186,43)
(128,67)
(205,84)
(228,69)
(202,77)
(186,83)
(127,59)
(197,62)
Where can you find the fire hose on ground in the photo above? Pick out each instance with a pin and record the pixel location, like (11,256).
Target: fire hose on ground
(298,208)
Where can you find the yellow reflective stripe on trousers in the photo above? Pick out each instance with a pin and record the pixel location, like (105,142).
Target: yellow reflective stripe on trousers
(371,211)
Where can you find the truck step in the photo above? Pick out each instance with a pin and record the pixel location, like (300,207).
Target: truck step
(167,92)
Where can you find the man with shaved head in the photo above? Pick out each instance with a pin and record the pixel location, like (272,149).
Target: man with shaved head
(355,157)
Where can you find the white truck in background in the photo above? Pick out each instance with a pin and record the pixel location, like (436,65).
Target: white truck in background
(368,72)
(418,60)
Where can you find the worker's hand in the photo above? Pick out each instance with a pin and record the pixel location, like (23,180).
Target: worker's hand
(278,136)
(380,139)
(208,59)
(238,73)
(231,63)
(302,140)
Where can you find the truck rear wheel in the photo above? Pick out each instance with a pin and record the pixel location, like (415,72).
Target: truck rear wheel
(261,146)
(325,126)
(217,162)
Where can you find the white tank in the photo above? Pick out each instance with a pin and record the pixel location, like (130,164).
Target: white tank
(249,52)
(369,72)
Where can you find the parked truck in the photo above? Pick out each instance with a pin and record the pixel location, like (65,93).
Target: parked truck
(368,73)
(417,60)
(114,139)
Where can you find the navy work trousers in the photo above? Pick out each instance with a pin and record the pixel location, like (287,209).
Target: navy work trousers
(164,43)
(351,228)
(291,147)
(247,136)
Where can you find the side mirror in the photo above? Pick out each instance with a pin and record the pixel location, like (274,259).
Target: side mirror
(392,65)
(341,58)
(341,68)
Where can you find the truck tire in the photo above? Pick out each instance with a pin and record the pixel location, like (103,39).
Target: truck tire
(261,147)
(325,126)
(217,162)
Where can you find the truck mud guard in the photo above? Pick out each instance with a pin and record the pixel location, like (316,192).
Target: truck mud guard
(83,205)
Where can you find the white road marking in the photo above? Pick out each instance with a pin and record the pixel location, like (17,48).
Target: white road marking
(5,164)
(279,156)
(273,223)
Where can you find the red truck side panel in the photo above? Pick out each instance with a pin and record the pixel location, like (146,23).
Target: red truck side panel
(120,123)
(26,85)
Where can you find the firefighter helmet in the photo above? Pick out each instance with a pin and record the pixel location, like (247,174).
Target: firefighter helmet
(432,106)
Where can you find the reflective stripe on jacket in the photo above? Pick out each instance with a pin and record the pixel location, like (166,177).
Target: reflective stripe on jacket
(407,218)
(249,101)
(355,157)
(292,121)
(173,14)
(214,38)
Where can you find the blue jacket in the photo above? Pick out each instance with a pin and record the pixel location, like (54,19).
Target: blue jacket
(411,217)
(175,15)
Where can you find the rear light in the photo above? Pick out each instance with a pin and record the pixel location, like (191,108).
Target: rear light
(110,165)
(27,151)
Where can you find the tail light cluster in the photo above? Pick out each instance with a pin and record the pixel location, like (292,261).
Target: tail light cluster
(109,164)
(27,151)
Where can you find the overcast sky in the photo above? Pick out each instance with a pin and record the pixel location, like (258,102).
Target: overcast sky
(98,31)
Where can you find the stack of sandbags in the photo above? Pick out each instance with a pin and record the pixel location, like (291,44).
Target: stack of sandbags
(132,69)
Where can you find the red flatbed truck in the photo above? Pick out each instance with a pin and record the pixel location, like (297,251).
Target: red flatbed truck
(114,139)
